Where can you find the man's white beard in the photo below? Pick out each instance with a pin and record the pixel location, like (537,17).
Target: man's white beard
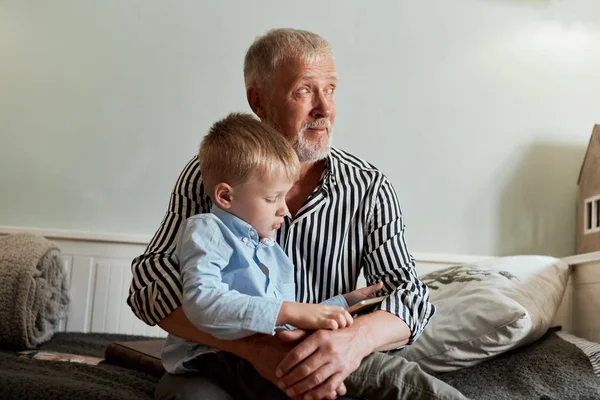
(306,151)
(309,152)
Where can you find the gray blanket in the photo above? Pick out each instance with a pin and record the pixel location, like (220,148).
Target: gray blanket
(33,290)
(30,379)
(550,368)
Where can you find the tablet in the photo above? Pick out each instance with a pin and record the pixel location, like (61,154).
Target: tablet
(365,306)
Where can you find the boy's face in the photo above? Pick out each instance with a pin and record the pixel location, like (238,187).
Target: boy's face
(261,203)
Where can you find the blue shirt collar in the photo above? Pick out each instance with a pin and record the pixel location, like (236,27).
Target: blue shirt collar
(239,227)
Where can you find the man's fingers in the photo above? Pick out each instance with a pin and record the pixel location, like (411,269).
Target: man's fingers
(292,336)
(315,379)
(302,371)
(370,291)
(298,354)
(335,393)
(335,381)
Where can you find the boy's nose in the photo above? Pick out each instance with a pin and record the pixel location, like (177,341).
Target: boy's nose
(283,210)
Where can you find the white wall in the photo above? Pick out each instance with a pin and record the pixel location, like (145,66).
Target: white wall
(478,110)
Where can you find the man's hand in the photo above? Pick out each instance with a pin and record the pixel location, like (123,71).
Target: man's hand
(317,366)
(313,316)
(361,294)
(325,359)
(270,351)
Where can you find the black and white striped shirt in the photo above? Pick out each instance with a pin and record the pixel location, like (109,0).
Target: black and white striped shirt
(350,223)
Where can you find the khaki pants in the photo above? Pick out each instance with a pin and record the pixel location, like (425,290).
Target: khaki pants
(385,377)
(223,376)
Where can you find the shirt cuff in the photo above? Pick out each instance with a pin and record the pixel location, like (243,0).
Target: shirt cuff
(261,315)
(338,300)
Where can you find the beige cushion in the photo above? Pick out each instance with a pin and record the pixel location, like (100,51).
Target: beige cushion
(487,308)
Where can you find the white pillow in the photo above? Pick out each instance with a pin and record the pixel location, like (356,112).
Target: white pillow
(487,308)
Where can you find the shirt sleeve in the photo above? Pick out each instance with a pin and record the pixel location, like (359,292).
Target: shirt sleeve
(338,300)
(387,259)
(155,289)
(208,302)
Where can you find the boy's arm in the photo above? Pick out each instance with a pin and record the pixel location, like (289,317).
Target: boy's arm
(345,301)
(208,303)
(227,314)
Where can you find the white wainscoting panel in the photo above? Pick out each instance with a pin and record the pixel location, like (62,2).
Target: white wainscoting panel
(81,289)
(98,267)
(98,271)
(99,276)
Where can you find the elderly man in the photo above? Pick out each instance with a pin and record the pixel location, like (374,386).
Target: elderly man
(345,219)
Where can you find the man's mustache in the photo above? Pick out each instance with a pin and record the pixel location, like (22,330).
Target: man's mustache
(320,123)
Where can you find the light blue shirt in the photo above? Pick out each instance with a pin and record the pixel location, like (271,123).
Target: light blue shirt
(233,283)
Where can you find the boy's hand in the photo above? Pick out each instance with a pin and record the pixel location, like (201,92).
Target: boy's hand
(313,316)
(362,294)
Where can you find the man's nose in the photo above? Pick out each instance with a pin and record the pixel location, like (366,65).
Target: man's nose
(322,107)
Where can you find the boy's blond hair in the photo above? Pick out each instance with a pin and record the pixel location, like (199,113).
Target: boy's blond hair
(240,147)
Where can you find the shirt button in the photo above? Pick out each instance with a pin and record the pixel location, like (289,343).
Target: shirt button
(251,233)
(245,240)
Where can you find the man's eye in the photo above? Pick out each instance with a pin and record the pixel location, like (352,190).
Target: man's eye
(330,90)
(270,200)
(303,91)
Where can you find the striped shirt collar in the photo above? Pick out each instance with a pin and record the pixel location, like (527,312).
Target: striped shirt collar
(329,178)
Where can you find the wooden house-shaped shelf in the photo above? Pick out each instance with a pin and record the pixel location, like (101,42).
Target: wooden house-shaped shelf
(588,207)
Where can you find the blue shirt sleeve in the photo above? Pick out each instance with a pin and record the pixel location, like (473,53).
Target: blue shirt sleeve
(338,300)
(208,302)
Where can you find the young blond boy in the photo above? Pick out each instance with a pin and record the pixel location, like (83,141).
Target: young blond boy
(236,279)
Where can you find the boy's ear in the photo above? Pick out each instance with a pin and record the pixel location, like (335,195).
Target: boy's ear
(255,102)
(223,195)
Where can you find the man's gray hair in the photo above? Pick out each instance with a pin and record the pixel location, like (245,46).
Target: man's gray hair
(268,51)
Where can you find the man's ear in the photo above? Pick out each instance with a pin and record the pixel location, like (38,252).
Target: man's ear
(223,195)
(255,101)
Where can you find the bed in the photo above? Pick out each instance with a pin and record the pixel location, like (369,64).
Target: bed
(29,378)
(550,368)
(556,365)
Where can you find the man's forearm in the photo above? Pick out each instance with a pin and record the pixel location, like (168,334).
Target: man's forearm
(178,324)
(382,330)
